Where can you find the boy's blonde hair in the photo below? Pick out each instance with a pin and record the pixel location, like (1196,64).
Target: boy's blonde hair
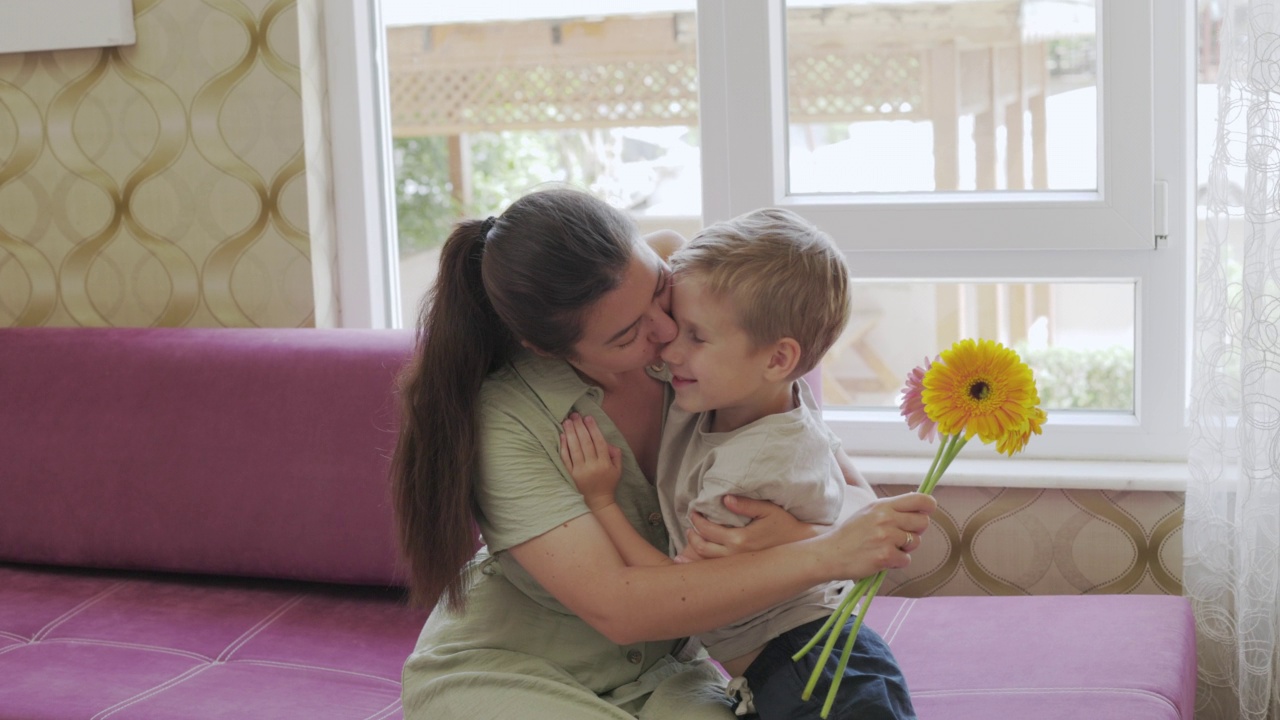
(783,276)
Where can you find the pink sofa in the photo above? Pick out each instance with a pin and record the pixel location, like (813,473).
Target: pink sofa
(196,524)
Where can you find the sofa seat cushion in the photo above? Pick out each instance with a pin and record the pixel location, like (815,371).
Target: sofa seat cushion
(1103,657)
(124,645)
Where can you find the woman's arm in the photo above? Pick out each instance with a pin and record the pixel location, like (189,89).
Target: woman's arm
(771,525)
(577,563)
(635,550)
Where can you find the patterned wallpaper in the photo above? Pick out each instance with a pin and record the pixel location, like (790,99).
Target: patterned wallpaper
(160,184)
(1021,541)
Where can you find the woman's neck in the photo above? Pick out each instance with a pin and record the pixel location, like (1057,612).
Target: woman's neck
(635,408)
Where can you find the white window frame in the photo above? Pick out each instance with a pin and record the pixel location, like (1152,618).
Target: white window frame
(1109,235)
(743,107)
(1156,430)
(366,273)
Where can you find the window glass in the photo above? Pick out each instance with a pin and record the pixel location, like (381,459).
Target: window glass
(487,109)
(1078,338)
(901,96)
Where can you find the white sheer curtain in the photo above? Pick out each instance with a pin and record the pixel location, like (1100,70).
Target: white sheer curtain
(1232,523)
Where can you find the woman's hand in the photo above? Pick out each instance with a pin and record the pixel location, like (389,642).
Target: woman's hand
(878,537)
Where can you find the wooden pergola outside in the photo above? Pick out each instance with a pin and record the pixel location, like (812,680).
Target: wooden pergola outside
(922,61)
(916,61)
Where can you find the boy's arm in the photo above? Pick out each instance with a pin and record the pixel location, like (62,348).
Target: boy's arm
(859,489)
(634,549)
(596,467)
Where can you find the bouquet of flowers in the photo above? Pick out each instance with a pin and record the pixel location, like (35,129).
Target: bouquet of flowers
(975,387)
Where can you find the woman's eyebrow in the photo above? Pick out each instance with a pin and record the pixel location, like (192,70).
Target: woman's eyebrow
(657,290)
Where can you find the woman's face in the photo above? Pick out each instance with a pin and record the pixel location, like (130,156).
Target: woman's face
(628,327)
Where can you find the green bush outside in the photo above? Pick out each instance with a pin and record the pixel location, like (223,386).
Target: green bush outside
(1073,379)
(503,166)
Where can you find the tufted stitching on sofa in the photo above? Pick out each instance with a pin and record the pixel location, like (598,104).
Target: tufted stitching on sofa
(205,662)
(386,712)
(319,668)
(76,610)
(263,624)
(1048,691)
(128,645)
(899,619)
(171,682)
(255,642)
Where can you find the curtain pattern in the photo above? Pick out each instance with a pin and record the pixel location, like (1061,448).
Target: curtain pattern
(1231,533)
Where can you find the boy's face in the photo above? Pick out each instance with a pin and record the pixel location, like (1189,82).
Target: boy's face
(714,365)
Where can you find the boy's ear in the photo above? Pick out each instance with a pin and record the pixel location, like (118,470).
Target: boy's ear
(783,360)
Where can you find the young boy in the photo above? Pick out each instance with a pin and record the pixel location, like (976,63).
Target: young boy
(758,300)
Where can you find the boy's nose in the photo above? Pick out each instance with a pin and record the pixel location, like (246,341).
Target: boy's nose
(670,354)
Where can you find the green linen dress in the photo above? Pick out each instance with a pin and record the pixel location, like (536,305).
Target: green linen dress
(516,652)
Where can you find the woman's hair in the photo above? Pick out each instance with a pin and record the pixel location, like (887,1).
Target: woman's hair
(783,276)
(528,275)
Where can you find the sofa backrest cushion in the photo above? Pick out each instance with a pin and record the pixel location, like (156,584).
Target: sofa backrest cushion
(254,452)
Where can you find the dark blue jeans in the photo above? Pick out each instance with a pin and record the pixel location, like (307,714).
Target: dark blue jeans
(873,687)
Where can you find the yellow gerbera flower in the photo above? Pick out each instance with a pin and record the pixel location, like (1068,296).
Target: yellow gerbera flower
(1014,442)
(981,387)
(974,388)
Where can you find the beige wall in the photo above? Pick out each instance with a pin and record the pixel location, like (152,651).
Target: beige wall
(160,184)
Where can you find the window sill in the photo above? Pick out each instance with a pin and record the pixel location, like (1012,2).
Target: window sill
(1020,473)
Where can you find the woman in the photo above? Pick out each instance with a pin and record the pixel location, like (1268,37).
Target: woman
(559,306)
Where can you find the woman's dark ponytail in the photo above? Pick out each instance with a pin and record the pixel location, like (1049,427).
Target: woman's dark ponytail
(534,271)
(460,340)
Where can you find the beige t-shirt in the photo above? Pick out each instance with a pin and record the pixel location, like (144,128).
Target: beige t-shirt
(785,458)
(515,646)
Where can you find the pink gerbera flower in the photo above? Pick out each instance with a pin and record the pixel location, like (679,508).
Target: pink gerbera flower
(913,404)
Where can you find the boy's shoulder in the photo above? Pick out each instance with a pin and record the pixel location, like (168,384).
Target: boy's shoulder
(775,442)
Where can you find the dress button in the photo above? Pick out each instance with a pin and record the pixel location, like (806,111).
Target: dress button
(634,657)
(488,570)
(655,518)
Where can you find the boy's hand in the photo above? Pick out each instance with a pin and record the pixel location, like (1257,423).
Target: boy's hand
(688,554)
(770,525)
(594,464)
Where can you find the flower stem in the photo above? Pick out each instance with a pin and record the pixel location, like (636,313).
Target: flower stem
(848,645)
(854,595)
(942,447)
(865,591)
(953,445)
(841,614)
